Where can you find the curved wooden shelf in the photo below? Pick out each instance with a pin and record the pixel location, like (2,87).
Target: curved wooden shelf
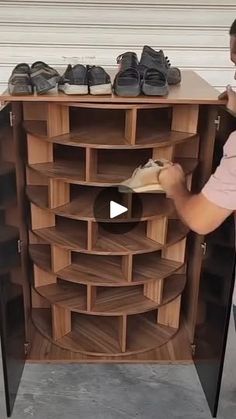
(110,301)
(82,206)
(72,236)
(93,337)
(95,137)
(84,269)
(73,173)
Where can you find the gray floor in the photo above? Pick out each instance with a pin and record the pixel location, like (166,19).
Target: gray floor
(120,392)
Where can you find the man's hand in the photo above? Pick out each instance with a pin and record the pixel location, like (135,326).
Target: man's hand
(230,95)
(172,179)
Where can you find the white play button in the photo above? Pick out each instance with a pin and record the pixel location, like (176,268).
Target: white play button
(116,209)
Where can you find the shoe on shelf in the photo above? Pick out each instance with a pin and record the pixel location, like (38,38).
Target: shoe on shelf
(43,77)
(145,178)
(19,82)
(173,73)
(127,81)
(74,81)
(99,81)
(153,71)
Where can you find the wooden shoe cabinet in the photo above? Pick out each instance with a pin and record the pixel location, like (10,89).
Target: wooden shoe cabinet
(97,295)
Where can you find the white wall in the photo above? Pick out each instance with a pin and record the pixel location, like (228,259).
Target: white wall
(194,33)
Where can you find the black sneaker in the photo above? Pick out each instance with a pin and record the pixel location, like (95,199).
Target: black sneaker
(173,73)
(99,81)
(19,82)
(74,81)
(44,78)
(153,71)
(127,81)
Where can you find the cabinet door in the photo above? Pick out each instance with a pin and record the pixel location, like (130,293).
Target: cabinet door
(215,295)
(12,318)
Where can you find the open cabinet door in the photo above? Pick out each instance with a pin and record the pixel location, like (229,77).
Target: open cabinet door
(215,296)
(12,308)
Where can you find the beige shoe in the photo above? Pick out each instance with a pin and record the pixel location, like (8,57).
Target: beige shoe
(145,179)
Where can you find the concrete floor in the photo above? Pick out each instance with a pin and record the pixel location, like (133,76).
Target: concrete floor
(120,392)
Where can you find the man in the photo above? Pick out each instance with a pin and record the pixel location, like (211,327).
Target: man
(217,199)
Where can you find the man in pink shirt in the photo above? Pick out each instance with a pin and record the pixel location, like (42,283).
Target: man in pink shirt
(217,200)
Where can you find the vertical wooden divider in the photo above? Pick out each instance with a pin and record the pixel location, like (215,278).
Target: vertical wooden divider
(92,234)
(39,151)
(91,164)
(185,118)
(157,229)
(122,332)
(61,321)
(58,193)
(91,296)
(61,258)
(163,153)
(41,218)
(154,290)
(42,277)
(176,252)
(58,121)
(131,125)
(169,314)
(127,267)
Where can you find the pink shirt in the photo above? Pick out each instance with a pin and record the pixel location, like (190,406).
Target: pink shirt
(221,187)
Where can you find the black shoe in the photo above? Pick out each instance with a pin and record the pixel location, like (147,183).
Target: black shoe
(44,78)
(173,73)
(75,80)
(153,71)
(127,81)
(99,81)
(19,82)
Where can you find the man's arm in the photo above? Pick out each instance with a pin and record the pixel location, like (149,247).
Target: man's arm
(200,214)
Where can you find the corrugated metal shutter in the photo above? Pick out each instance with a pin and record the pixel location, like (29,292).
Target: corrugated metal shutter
(193,33)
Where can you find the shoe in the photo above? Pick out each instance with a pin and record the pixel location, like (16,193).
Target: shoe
(145,179)
(99,81)
(75,80)
(43,77)
(153,71)
(19,82)
(127,81)
(173,73)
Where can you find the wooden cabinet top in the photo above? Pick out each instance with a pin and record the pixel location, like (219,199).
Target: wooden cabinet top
(193,89)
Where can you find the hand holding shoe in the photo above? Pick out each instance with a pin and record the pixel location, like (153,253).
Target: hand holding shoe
(172,180)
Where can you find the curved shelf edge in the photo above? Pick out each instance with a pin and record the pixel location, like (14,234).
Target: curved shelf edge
(160,334)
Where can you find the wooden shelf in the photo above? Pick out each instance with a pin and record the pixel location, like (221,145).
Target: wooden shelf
(95,336)
(110,174)
(110,301)
(81,205)
(95,137)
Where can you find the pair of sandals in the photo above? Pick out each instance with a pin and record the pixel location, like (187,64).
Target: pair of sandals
(131,81)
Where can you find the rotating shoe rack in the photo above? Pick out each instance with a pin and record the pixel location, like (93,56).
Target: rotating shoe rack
(96,292)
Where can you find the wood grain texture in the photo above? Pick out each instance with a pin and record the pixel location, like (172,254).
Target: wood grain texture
(58,193)
(60,258)
(81,206)
(130,125)
(109,137)
(107,270)
(43,278)
(169,314)
(43,350)
(157,230)
(122,332)
(57,119)
(154,290)
(41,218)
(90,336)
(61,322)
(185,118)
(192,90)
(166,152)
(39,151)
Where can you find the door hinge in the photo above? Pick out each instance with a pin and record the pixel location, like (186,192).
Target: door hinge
(26,347)
(12,118)
(204,248)
(217,123)
(19,246)
(193,348)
